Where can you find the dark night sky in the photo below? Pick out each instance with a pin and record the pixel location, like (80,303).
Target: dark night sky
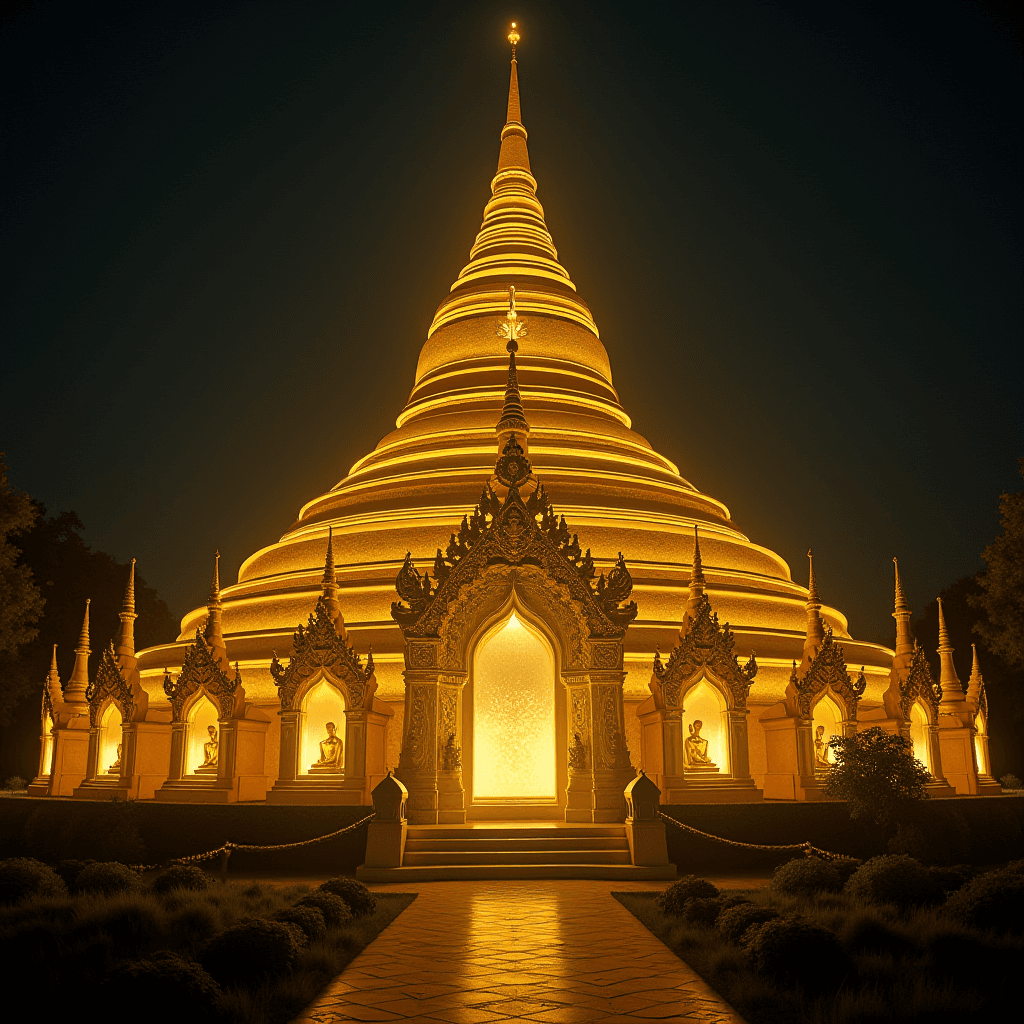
(226,228)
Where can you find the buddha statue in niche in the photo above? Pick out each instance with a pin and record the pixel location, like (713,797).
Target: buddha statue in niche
(210,750)
(821,749)
(115,768)
(331,750)
(695,750)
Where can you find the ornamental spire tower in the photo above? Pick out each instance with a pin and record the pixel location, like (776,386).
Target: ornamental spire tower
(815,626)
(696,589)
(53,680)
(513,415)
(125,646)
(79,681)
(952,688)
(976,684)
(213,632)
(330,587)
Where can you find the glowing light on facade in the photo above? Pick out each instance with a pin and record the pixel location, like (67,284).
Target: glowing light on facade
(109,738)
(829,718)
(323,704)
(919,734)
(202,715)
(704,704)
(514,715)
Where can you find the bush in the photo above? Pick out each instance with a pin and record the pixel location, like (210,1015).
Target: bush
(359,899)
(993,900)
(16,784)
(674,898)
(334,909)
(795,952)
(867,933)
(165,989)
(191,926)
(134,921)
(933,834)
(310,920)
(734,921)
(896,879)
(182,876)
(702,911)
(251,952)
(22,878)
(69,869)
(1011,782)
(804,876)
(951,879)
(108,878)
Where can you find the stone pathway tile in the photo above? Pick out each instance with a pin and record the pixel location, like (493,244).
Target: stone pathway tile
(547,952)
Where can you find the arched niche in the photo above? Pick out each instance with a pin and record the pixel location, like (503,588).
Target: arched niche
(514,714)
(826,723)
(200,717)
(109,739)
(980,744)
(919,726)
(705,715)
(322,703)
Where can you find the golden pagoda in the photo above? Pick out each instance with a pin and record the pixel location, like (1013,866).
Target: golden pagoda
(703,727)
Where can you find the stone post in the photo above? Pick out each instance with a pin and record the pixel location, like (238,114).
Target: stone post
(645,828)
(386,835)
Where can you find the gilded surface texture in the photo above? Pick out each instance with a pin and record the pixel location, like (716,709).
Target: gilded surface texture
(447,727)
(707,647)
(579,729)
(108,684)
(827,670)
(318,647)
(610,744)
(418,752)
(200,671)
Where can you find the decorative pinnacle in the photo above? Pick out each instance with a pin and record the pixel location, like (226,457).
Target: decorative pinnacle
(129,594)
(329,575)
(513,38)
(513,328)
(812,586)
(697,569)
(215,583)
(901,599)
(83,637)
(944,644)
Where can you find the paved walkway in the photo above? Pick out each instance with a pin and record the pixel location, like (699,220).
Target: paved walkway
(560,952)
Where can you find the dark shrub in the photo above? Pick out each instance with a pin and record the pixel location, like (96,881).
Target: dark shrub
(310,920)
(805,876)
(22,878)
(134,921)
(949,879)
(191,926)
(182,876)
(734,921)
(896,879)
(933,834)
(69,869)
(705,911)
(359,899)
(165,989)
(108,878)
(867,933)
(250,952)
(1016,867)
(334,909)
(795,952)
(993,900)
(689,888)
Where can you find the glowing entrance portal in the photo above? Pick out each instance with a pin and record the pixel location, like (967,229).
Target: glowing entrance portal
(514,715)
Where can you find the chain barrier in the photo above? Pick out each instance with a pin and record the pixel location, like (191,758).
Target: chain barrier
(225,851)
(806,848)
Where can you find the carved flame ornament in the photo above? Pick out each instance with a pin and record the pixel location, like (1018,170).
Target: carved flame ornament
(318,647)
(109,683)
(200,671)
(827,670)
(708,647)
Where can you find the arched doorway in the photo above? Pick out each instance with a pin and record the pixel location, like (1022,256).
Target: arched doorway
(826,724)
(705,719)
(323,730)
(109,741)
(514,724)
(919,735)
(202,745)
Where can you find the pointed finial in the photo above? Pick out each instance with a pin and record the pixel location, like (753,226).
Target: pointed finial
(976,684)
(78,683)
(952,688)
(695,593)
(129,594)
(513,415)
(83,636)
(513,38)
(901,598)
(126,638)
(330,587)
(214,630)
(513,328)
(329,575)
(215,582)
(697,568)
(812,587)
(815,626)
(54,674)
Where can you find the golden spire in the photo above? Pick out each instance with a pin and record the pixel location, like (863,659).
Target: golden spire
(976,684)
(952,688)
(696,591)
(79,681)
(330,586)
(213,633)
(126,638)
(902,614)
(513,38)
(53,682)
(513,415)
(815,626)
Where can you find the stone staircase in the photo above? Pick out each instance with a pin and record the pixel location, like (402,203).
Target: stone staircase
(515,850)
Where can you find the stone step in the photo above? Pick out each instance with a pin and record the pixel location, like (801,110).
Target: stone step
(547,832)
(456,872)
(472,843)
(414,858)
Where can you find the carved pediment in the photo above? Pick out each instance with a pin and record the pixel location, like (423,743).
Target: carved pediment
(919,684)
(827,670)
(318,647)
(514,532)
(110,684)
(200,671)
(708,647)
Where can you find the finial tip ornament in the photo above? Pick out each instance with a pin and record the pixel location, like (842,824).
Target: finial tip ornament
(513,38)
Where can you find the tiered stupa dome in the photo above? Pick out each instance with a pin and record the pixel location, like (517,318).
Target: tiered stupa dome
(613,488)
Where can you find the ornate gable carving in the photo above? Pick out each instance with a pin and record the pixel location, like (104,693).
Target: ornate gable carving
(200,671)
(827,669)
(919,684)
(109,683)
(514,532)
(707,646)
(317,647)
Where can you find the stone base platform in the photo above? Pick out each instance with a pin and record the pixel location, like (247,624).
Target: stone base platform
(522,850)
